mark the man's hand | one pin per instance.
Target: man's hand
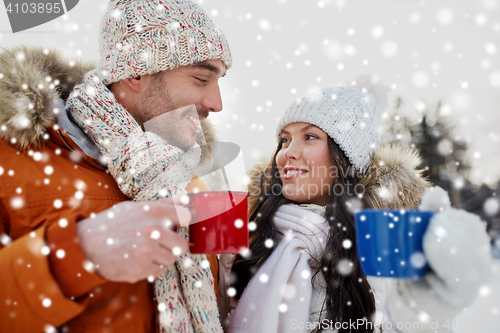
(133, 240)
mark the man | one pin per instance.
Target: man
(75, 252)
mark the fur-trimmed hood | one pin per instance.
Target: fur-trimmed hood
(392, 181)
(32, 79)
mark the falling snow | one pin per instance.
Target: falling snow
(435, 52)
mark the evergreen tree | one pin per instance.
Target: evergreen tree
(444, 159)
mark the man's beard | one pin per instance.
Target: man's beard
(154, 104)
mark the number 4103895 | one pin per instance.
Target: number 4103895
(471, 324)
(33, 8)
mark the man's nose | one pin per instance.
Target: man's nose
(213, 100)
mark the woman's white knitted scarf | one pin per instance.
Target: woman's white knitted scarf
(146, 167)
(281, 290)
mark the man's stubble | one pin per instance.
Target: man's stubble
(156, 101)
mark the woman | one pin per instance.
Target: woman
(302, 270)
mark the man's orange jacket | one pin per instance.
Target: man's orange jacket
(45, 190)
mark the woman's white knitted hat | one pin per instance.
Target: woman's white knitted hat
(148, 36)
(350, 115)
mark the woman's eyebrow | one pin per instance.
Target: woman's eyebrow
(305, 128)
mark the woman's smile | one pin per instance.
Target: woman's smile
(292, 172)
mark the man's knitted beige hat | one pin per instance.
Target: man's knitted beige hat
(148, 36)
(350, 115)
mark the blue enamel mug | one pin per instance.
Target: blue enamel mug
(389, 242)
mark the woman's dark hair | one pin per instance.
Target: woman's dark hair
(348, 297)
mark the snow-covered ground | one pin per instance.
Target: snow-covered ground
(484, 314)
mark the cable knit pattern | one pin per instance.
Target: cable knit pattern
(350, 115)
(146, 167)
(147, 37)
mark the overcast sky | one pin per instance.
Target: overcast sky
(426, 51)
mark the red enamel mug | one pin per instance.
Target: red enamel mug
(219, 222)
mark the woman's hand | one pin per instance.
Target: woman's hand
(457, 249)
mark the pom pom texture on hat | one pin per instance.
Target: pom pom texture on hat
(145, 37)
(350, 115)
